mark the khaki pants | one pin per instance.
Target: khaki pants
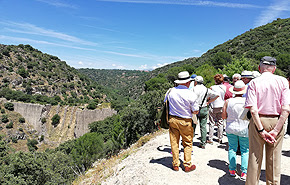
(181, 127)
(215, 118)
(273, 154)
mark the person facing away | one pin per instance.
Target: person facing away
(287, 132)
(269, 106)
(182, 105)
(237, 129)
(215, 111)
(204, 97)
(226, 83)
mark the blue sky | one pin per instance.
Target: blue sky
(131, 34)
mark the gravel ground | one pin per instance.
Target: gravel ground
(151, 164)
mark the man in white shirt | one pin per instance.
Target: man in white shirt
(204, 97)
(182, 105)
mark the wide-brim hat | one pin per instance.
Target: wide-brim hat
(238, 88)
(247, 74)
(183, 77)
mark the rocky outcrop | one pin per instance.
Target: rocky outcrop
(73, 123)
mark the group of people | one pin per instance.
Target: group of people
(253, 110)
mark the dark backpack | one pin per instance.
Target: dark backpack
(165, 115)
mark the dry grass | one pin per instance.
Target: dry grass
(103, 168)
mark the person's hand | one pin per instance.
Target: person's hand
(195, 112)
(267, 137)
(274, 133)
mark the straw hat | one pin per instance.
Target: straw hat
(239, 88)
(183, 77)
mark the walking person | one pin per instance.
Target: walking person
(287, 133)
(268, 101)
(237, 129)
(182, 105)
(204, 97)
(215, 111)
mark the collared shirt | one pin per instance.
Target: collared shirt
(268, 93)
(200, 91)
(228, 94)
(182, 102)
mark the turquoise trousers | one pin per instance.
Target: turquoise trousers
(233, 146)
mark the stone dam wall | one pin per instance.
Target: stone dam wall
(74, 121)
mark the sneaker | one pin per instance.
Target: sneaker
(286, 136)
(243, 176)
(232, 173)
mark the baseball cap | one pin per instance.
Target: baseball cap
(268, 60)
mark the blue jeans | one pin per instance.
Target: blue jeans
(233, 146)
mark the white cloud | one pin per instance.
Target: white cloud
(31, 29)
(57, 3)
(80, 63)
(272, 12)
(159, 65)
(190, 3)
(143, 67)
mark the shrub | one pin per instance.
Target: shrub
(10, 125)
(21, 120)
(31, 144)
(14, 139)
(4, 118)
(55, 120)
(41, 138)
(43, 120)
(92, 106)
(9, 106)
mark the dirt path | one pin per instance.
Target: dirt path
(152, 165)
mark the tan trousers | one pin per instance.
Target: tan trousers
(273, 154)
(181, 127)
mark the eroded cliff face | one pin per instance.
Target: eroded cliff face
(73, 123)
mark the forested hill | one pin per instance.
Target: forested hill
(271, 39)
(28, 75)
(128, 83)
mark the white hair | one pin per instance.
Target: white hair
(236, 75)
(264, 67)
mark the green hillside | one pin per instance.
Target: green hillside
(127, 83)
(28, 75)
(272, 39)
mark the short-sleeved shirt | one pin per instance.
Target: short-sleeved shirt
(200, 91)
(268, 93)
(182, 102)
(220, 90)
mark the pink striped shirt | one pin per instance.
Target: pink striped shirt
(268, 93)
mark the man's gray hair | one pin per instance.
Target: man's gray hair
(237, 75)
(264, 67)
